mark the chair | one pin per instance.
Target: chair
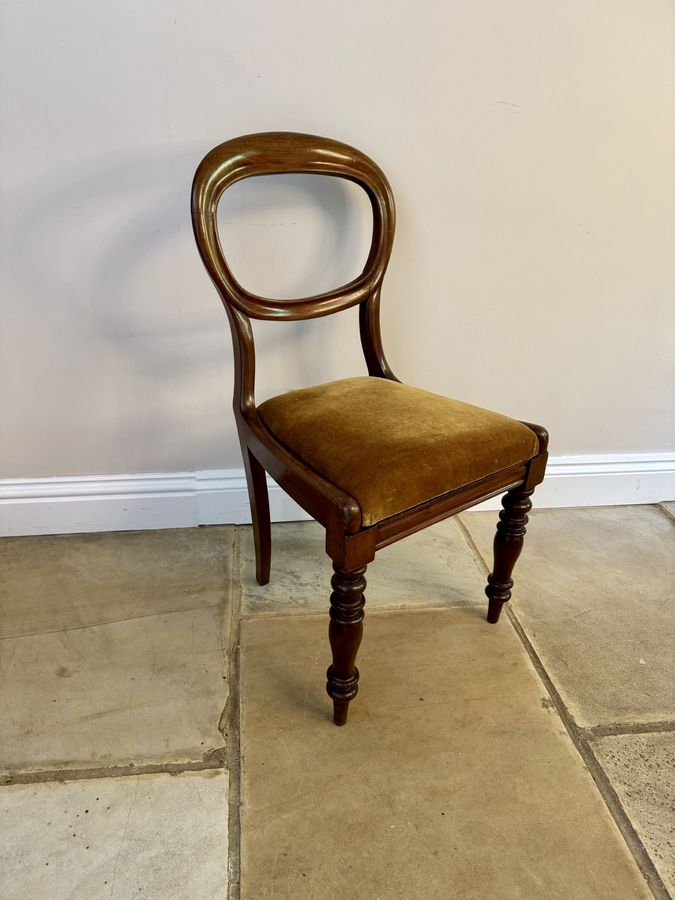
(373, 460)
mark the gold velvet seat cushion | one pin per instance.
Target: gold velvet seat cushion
(391, 446)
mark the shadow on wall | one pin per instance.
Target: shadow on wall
(124, 318)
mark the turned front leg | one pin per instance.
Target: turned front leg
(507, 546)
(344, 633)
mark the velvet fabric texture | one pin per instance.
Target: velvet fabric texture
(391, 446)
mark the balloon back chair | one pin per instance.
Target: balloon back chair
(373, 460)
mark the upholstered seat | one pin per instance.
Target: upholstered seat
(391, 446)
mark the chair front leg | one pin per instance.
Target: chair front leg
(344, 633)
(507, 546)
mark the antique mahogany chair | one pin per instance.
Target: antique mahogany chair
(373, 460)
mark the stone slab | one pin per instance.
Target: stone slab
(151, 837)
(641, 769)
(594, 593)
(58, 582)
(435, 567)
(453, 777)
(146, 690)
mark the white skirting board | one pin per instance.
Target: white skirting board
(83, 503)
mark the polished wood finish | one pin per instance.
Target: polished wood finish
(350, 545)
(260, 515)
(344, 633)
(507, 546)
(439, 508)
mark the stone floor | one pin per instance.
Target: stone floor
(164, 730)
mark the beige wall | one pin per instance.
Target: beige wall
(530, 146)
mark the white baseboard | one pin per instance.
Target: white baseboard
(176, 500)
(609, 479)
(132, 502)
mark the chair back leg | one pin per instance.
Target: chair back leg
(260, 514)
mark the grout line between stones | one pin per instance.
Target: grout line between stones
(212, 759)
(230, 725)
(580, 739)
(617, 728)
(666, 512)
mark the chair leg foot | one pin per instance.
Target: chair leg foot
(507, 546)
(260, 515)
(340, 711)
(344, 633)
(494, 610)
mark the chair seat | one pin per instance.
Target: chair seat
(391, 446)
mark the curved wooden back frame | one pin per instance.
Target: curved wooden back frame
(286, 152)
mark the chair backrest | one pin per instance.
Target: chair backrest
(280, 152)
(272, 153)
